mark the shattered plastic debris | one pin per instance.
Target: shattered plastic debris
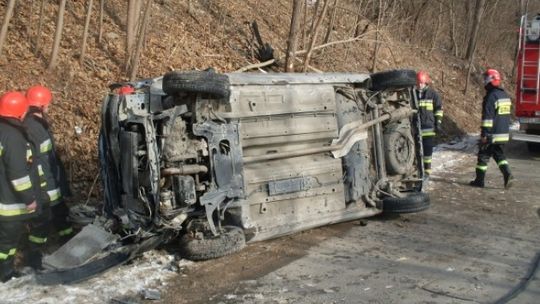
(402, 259)
(151, 294)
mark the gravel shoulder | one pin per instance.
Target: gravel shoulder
(472, 246)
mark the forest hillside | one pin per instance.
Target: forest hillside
(42, 42)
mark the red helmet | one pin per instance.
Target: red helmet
(422, 77)
(492, 76)
(38, 96)
(13, 104)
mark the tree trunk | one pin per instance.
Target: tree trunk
(140, 41)
(417, 17)
(30, 21)
(469, 73)
(453, 27)
(376, 49)
(85, 32)
(57, 34)
(358, 18)
(5, 24)
(475, 27)
(436, 32)
(130, 30)
(101, 11)
(304, 34)
(314, 35)
(331, 22)
(40, 27)
(293, 34)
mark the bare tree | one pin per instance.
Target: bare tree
(293, 34)
(314, 33)
(5, 24)
(40, 26)
(331, 22)
(475, 27)
(140, 41)
(358, 18)
(131, 29)
(453, 27)
(30, 26)
(85, 32)
(57, 34)
(376, 49)
(101, 11)
(437, 27)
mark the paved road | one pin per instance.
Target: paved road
(472, 246)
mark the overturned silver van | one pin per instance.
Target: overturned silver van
(212, 161)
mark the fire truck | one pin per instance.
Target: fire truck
(527, 106)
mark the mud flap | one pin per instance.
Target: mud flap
(81, 248)
(84, 272)
(102, 262)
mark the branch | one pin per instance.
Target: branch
(334, 43)
(314, 69)
(255, 65)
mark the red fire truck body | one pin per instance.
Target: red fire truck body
(527, 104)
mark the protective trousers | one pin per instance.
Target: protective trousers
(37, 238)
(427, 143)
(484, 154)
(11, 233)
(60, 224)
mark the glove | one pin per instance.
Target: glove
(438, 128)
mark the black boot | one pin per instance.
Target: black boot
(507, 175)
(6, 270)
(33, 258)
(479, 180)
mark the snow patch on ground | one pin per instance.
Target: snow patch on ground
(150, 271)
(448, 155)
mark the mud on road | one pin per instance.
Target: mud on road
(472, 246)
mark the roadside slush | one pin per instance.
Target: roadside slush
(473, 245)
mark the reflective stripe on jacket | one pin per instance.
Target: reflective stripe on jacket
(496, 109)
(41, 138)
(430, 110)
(19, 174)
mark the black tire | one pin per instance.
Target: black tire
(399, 150)
(413, 202)
(207, 82)
(231, 240)
(533, 147)
(394, 79)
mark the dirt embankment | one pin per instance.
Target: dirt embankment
(209, 34)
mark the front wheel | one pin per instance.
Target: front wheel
(410, 203)
(204, 247)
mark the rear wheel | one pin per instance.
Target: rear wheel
(208, 82)
(205, 247)
(399, 150)
(533, 147)
(395, 79)
(412, 202)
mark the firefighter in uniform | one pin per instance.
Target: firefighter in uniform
(39, 98)
(430, 113)
(20, 180)
(494, 129)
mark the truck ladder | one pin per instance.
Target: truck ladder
(530, 67)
